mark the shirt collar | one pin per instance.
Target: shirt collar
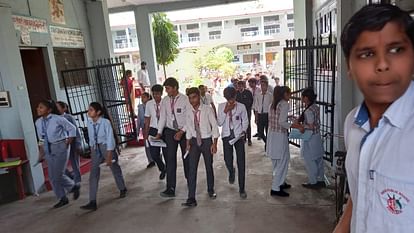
(97, 122)
(396, 114)
(200, 108)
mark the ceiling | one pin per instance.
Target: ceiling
(122, 3)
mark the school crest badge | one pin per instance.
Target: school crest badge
(394, 201)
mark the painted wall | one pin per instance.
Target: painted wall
(16, 122)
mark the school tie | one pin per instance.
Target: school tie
(197, 127)
(158, 112)
(46, 139)
(175, 123)
(262, 103)
(95, 134)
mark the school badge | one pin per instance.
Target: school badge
(394, 200)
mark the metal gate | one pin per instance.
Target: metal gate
(105, 83)
(312, 63)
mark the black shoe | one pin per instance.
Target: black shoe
(243, 194)
(280, 193)
(249, 143)
(90, 206)
(232, 176)
(62, 202)
(168, 193)
(191, 202)
(256, 135)
(122, 193)
(150, 165)
(285, 186)
(321, 184)
(162, 175)
(310, 186)
(76, 191)
(259, 138)
(212, 195)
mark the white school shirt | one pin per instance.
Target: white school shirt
(143, 77)
(55, 127)
(380, 168)
(151, 111)
(240, 120)
(207, 99)
(262, 102)
(181, 106)
(207, 121)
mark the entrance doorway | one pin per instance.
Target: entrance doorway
(36, 77)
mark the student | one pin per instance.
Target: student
(152, 116)
(232, 117)
(103, 143)
(245, 97)
(56, 134)
(254, 89)
(206, 98)
(75, 147)
(202, 134)
(141, 125)
(378, 46)
(278, 149)
(312, 149)
(261, 104)
(171, 126)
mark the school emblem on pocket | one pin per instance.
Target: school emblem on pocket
(394, 200)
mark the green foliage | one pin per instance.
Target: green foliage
(215, 60)
(165, 39)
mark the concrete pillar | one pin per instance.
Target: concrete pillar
(303, 19)
(98, 18)
(16, 122)
(145, 41)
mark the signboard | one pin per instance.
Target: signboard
(23, 23)
(66, 37)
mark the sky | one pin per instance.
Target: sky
(127, 18)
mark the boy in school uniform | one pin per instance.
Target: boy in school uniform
(206, 98)
(202, 134)
(378, 45)
(245, 97)
(152, 116)
(141, 125)
(171, 126)
(232, 117)
(261, 105)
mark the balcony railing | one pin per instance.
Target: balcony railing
(193, 39)
(214, 37)
(250, 33)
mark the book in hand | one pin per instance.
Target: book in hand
(296, 134)
(156, 142)
(234, 140)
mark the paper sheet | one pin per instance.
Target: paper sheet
(234, 140)
(186, 154)
(104, 163)
(3, 171)
(296, 134)
(156, 142)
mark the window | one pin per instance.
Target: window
(175, 28)
(251, 58)
(244, 46)
(289, 16)
(272, 18)
(121, 39)
(272, 44)
(242, 21)
(124, 58)
(214, 35)
(71, 59)
(291, 27)
(214, 24)
(133, 39)
(193, 37)
(250, 31)
(192, 26)
(271, 29)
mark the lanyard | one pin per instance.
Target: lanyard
(203, 99)
(230, 113)
(157, 110)
(95, 132)
(45, 123)
(173, 101)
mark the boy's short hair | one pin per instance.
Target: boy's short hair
(171, 82)
(252, 80)
(146, 94)
(193, 90)
(263, 78)
(241, 82)
(128, 72)
(229, 93)
(157, 88)
(143, 63)
(201, 86)
(373, 17)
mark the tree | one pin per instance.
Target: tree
(215, 60)
(165, 40)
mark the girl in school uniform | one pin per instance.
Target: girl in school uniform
(312, 149)
(63, 109)
(103, 144)
(56, 134)
(277, 140)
